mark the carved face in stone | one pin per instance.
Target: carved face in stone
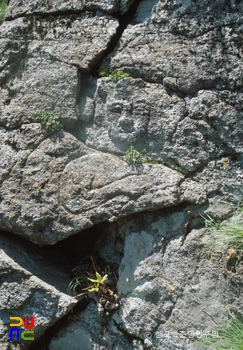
(137, 113)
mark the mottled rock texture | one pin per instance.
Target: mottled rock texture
(172, 290)
(20, 8)
(181, 106)
(31, 285)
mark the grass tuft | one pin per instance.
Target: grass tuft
(3, 6)
(230, 338)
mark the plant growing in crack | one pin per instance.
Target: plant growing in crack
(117, 75)
(210, 222)
(177, 168)
(93, 287)
(227, 237)
(133, 156)
(97, 283)
(99, 286)
(49, 120)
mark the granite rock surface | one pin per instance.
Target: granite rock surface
(179, 104)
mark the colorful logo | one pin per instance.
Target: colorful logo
(16, 334)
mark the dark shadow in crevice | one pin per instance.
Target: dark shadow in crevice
(124, 20)
(51, 263)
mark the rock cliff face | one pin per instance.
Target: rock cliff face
(181, 101)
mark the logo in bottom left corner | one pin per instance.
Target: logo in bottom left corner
(26, 332)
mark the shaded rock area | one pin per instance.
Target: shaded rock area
(31, 285)
(171, 292)
(69, 196)
(79, 335)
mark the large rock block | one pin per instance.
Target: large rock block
(17, 8)
(61, 186)
(29, 288)
(186, 132)
(170, 287)
(40, 58)
(185, 45)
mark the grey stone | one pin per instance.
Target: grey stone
(103, 334)
(168, 289)
(171, 293)
(22, 293)
(184, 40)
(193, 192)
(184, 133)
(18, 8)
(79, 42)
(65, 187)
(182, 102)
(221, 182)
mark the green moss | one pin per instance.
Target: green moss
(118, 75)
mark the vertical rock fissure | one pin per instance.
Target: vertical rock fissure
(124, 20)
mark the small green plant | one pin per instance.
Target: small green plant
(236, 207)
(151, 161)
(77, 281)
(132, 156)
(231, 234)
(103, 73)
(93, 287)
(103, 284)
(177, 168)
(229, 338)
(49, 120)
(220, 235)
(210, 222)
(118, 75)
(3, 6)
(96, 283)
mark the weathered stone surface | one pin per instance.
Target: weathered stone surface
(182, 102)
(39, 72)
(195, 46)
(18, 8)
(170, 289)
(222, 179)
(62, 186)
(193, 192)
(40, 60)
(182, 132)
(22, 293)
(109, 188)
(77, 335)
(79, 41)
